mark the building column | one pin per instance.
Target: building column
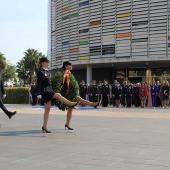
(148, 76)
(89, 74)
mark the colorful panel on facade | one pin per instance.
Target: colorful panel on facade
(83, 57)
(65, 9)
(86, 30)
(73, 15)
(65, 43)
(73, 50)
(95, 22)
(83, 42)
(123, 35)
(83, 3)
(123, 15)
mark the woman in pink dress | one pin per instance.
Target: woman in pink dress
(149, 96)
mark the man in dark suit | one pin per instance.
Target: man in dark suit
(128, 93)
(105, 92)
(83, 90)
(8, 113)
(95, 92)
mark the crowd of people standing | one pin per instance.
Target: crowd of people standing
(142, 94)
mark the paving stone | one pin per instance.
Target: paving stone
(102, 139)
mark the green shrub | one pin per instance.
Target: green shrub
(16, 95)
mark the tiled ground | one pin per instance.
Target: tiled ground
(102, 139)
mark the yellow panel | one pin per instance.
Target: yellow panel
(123, 15)
(83, 57)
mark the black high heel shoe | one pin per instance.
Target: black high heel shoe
(47, 131)
(96, 105)
(74, 105)
(69, 128)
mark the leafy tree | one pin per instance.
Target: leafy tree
(2, 63)
(9, 72)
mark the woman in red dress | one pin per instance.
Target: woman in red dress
(143, 94)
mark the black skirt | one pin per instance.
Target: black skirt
(165, 97)
(48, 94)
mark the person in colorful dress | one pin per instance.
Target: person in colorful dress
(143, 94)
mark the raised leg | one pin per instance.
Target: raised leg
(63, 99)
(86, 102)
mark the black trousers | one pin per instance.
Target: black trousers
(129, 101)
(105, 100)
(4, 108)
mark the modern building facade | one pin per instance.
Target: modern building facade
(111, 39)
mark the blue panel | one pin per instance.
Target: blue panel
(84, 3)
(65, 43)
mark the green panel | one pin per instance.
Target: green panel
(83, 42)
(73, 15)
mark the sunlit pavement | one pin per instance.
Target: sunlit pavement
(102, 139)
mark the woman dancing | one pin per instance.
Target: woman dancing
(67, 67)
(44, 91)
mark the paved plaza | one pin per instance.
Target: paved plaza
(102, 139)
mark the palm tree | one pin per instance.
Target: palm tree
(31, 60)
(21, 70)
(2, 63)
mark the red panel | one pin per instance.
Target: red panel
(168, 37)
(95, 22)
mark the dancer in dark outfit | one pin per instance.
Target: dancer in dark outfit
(67, 67)
(8, 113)
(45, 91)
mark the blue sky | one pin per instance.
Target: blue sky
(23, 25)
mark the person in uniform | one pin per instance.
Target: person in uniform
(166, 90)
(105, 92)
(8, 113)
(34, 94)
(45, 91)
(83, 90)
(128, 93)
(67, 67)
(136, 96)
(116, 93)
(113, 95)
(99, 90)
(90, 90)
(95, 92)
(123, 102)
